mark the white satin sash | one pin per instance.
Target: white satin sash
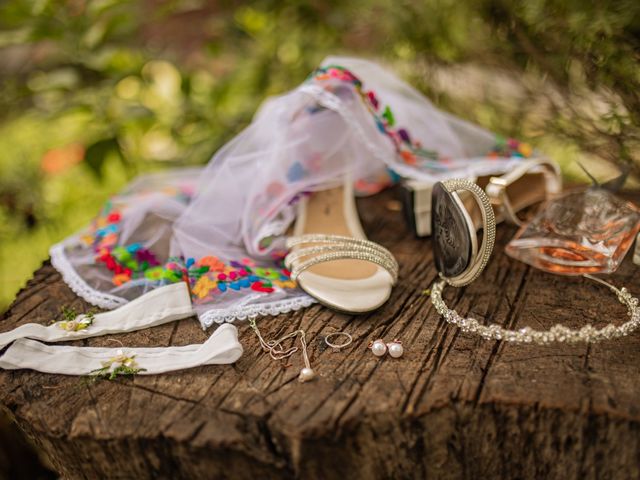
(159, 306)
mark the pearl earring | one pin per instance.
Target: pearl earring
(378, 347)
(395, 348)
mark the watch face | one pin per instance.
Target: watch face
(452, 235)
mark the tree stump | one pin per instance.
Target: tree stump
(454, 406)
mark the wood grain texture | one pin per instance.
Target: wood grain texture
(454, 406)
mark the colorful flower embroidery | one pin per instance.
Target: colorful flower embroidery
(410, 151)
(213, 263)
(296, 172)
(510, 147)
(206, 276)
(203, 286)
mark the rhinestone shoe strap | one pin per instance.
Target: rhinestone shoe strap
(334, 240)
(294, 257)
(557, 333)
(326, 248)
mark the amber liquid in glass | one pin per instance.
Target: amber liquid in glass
(586, 231)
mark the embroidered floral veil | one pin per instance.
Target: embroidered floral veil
(222, 228)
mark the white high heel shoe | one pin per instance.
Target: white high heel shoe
(331, 259)
(533, 181)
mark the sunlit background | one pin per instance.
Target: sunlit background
(94, 92)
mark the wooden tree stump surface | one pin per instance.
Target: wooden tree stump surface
(454, 406)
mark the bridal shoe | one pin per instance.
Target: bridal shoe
(331, 259)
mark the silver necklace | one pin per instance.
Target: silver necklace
(277, 351)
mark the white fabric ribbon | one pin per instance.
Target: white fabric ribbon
(222, 347)
(159, 306)
(162, 305)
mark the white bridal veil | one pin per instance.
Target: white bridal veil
(221, 228)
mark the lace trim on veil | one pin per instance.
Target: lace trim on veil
(77, 284)
(249, 311)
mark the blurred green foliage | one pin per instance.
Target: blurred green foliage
(141, 85)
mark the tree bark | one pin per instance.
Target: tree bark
(454, 406)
